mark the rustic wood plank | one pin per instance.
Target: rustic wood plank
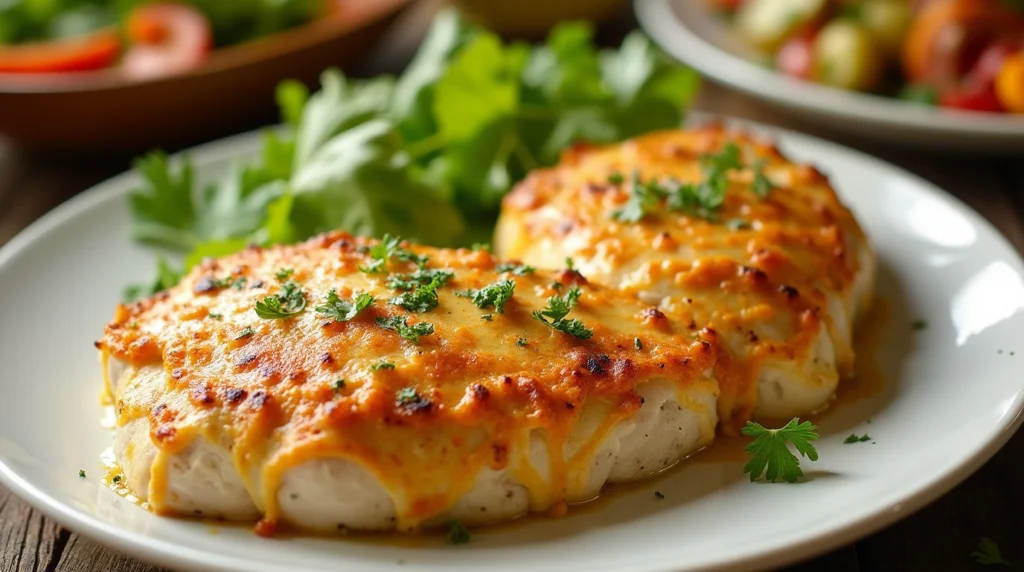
(28, 540)
(83, 555)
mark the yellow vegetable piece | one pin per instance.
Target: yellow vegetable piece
(1010, 83)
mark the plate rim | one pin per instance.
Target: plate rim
(659, 20)
(166, 553)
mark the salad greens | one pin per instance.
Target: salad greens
(428, 155)
(231, 22)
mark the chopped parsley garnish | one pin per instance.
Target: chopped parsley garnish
(382, 365)
(422, 299)
(487, 317)
(389, 247)
(641, 197)
(638, 344)
(770, 453)
(701, 199)
(399, 324)
(987, 553)
(919, 325)
(569, 263)
(521, 342)
(290, 302)
(737, 224)
(338, 384)
(457, 533)
(481, 246)
(407, 396)
(214, 316)
(81, 473)
(239, 283)
(658, 495)
(421, 277)
(514, 268)
(496, 295)
(248, 331)
(616, 178)
(116, 479)
(343, 310)
(762, 186)
(284, 273)
(557, 309)
(853, 438)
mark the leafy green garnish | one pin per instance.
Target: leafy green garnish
(290, 302)
(245, 333)
(762, 186)
(382, 364)
(418, 156)
(987, 553)
(422, 299)
(81, 473)
(284, 273)
(639, 345)
(770, 453)
(338, 385)
(853, 438)
(494, 295)
(389, 247)
(421, 277)
(557, 309)
(737, 224)
(641, 198)
(457, 533)
(515, 268)
(342, 310)
(399, 324)
(521, 342)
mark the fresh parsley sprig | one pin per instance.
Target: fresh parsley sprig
(290, 302)
(421, 277)
(515, 268)
(987, 553)
(770, 453)
(493, 295)
(422, 299)
(557, 309)
(389, 247)
(342, 310)
(401, 325)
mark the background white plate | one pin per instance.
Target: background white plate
(951, 401)
(691, 32)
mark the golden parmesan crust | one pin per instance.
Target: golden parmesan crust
(273, 395)
(772, 285)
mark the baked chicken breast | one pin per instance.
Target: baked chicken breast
(717, 230)
(350, 383)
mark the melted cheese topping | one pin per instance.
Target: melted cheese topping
(798, 263)
(268, 389)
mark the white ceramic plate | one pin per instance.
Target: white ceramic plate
(691, 32)
(953, 397)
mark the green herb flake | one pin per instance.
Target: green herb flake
(389, 247)
(487, 317)
(515, 268)
(616, 178)
(342, 310)
(494, 295)
(639, 345)
(239, 283)
(116, 479)
(422, 299)
(853, 438)
(290, 302)
(762, 186)
(214, 316)
(81, 473)
(457, 533)
(557, 309)
(284, 274)
(338, 385)
(918, 325)
(421, 277)
(481, 247)
(382, 365)
(770, 453)
(658, 495)
(987, 553)
(401, 326)
(737, 224)
(521, 342)
(248, 331)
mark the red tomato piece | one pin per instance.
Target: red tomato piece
(92, 52)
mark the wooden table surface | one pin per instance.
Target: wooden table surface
(939, 537)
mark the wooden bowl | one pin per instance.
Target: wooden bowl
(233, 90)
